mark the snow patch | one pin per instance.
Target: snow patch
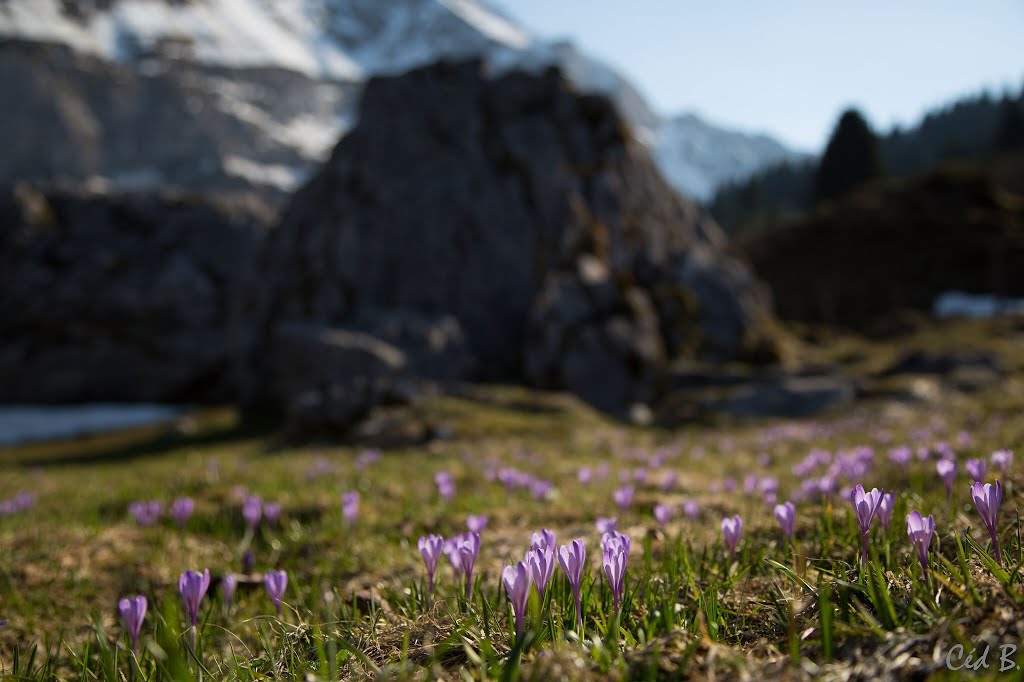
(975, 306)
(490, 24)
(285, 178)
(233, 33)
(31, 423)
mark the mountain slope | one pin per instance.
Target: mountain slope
(694, 154)
(289, 72)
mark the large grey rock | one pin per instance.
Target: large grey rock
(575, 329)
(308, 356)
(527, 213)
(120, 297)
(756, 395)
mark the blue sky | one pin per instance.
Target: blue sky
(788, 67)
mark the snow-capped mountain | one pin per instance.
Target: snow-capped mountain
(285, 73)
(700, 157)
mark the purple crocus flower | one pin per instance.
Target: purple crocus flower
(785, 514)
(350, 506)
(133, 611)
(182, 509)
(252, 511)
(987, 499)
(248, 561)
(541, 561)
(946, 469)
(616, 554)
(469, 550)
(662, 513)
(1002, 459)
(606, 525)
(885, 509)
(272, 512)
(228, 584)
(275, 582)
(544, 539)
(865, 506)
(540, 488)
(193, 586)
(320, 467)
(366, 458)
(691, 509)
(445, 485)
(476, 523)
(431, 547)
(668, 481)
(920, 531)
(517, 585)
(976, 469)
(451, 550)
(617, 539)
(571, 558)
(623, 497)
(146, 513)
(585, 475)
(901, 456)
(732, 531)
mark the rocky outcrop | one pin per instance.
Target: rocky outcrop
(894, 247)
(120, 297)
(526, 213)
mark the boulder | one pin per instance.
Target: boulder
(757, 395)
(120, 297)
(528, 215)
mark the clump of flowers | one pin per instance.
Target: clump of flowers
(16, 504)
(146, 513)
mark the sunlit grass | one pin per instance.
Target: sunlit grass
(357, 605)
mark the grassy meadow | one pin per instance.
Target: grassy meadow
(357, 606)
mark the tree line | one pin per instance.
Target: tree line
(973, 129)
